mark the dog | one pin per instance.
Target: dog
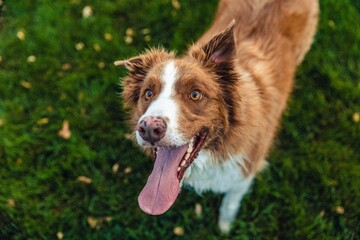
(210, 116)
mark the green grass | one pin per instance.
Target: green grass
(315, 162)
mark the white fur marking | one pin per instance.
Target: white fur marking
(165, 106)
(206, 175)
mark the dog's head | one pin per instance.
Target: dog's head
(179, 106)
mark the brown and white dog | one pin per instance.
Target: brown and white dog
(210, 115)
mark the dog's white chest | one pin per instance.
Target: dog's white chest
(204, 175)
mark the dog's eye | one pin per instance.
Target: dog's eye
(148, 94)
(196, 95)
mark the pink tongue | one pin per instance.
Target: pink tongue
(163, 186)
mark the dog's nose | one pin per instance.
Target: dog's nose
(152, 129)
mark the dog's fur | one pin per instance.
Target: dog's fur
(244, 74)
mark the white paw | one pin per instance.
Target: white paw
(225, 226)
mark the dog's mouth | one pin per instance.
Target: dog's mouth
(163, 184)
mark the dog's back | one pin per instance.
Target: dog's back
(271, 38)
(262, 21)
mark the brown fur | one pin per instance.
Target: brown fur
(245, 74)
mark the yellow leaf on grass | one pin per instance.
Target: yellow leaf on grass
(42, 121)
(21, 35)
(65, 132)
(115, 168)
(93, 222)
(108, 37)
(127, 170)
(87, 12)
(356, 117)
(31, 59)
(175, 4)
(66, 66)
(25, 84)
(84, 179)
(60, 235)
(339, 210)
(11, 202)
(198, 210)
(179, 231)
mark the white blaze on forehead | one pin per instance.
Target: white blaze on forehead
(169, 78)
(166, 107)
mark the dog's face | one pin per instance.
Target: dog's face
(179, 107)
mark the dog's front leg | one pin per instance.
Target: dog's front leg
(231, 203)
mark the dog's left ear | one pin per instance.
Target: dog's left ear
(220, 49)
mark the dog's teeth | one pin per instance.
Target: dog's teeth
(179, 168)
(190, 148)
(183, 163)
(187, 155)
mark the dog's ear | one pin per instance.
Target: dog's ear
(220, 49)
(129, 64)
(139, 67)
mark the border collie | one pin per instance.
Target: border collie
(210, 116)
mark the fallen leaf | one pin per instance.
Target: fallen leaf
(175, 4)
(65, 132)
(49, 109)
(97, 47)
(128, 40)
(198, 210)
(332, 182)
(356, 117)
(115, 168)
(60, 235)
(127, 170)
(25, 84)
(101, 65)
(87, 12)
(179, 231)
(66, 66)
(93, 222)
(147, 38)
(340, 210)
(130, 32)
(108, 37)
(42, 121)
(145, 31)
(79, 46)
(331, 23)
(31, 59)
(84, 179)
(21, 35)
(11, 202)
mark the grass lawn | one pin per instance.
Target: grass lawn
(68, 172)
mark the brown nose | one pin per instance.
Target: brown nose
(152, 129)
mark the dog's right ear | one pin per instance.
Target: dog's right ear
(139, 67)
(130, 64)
